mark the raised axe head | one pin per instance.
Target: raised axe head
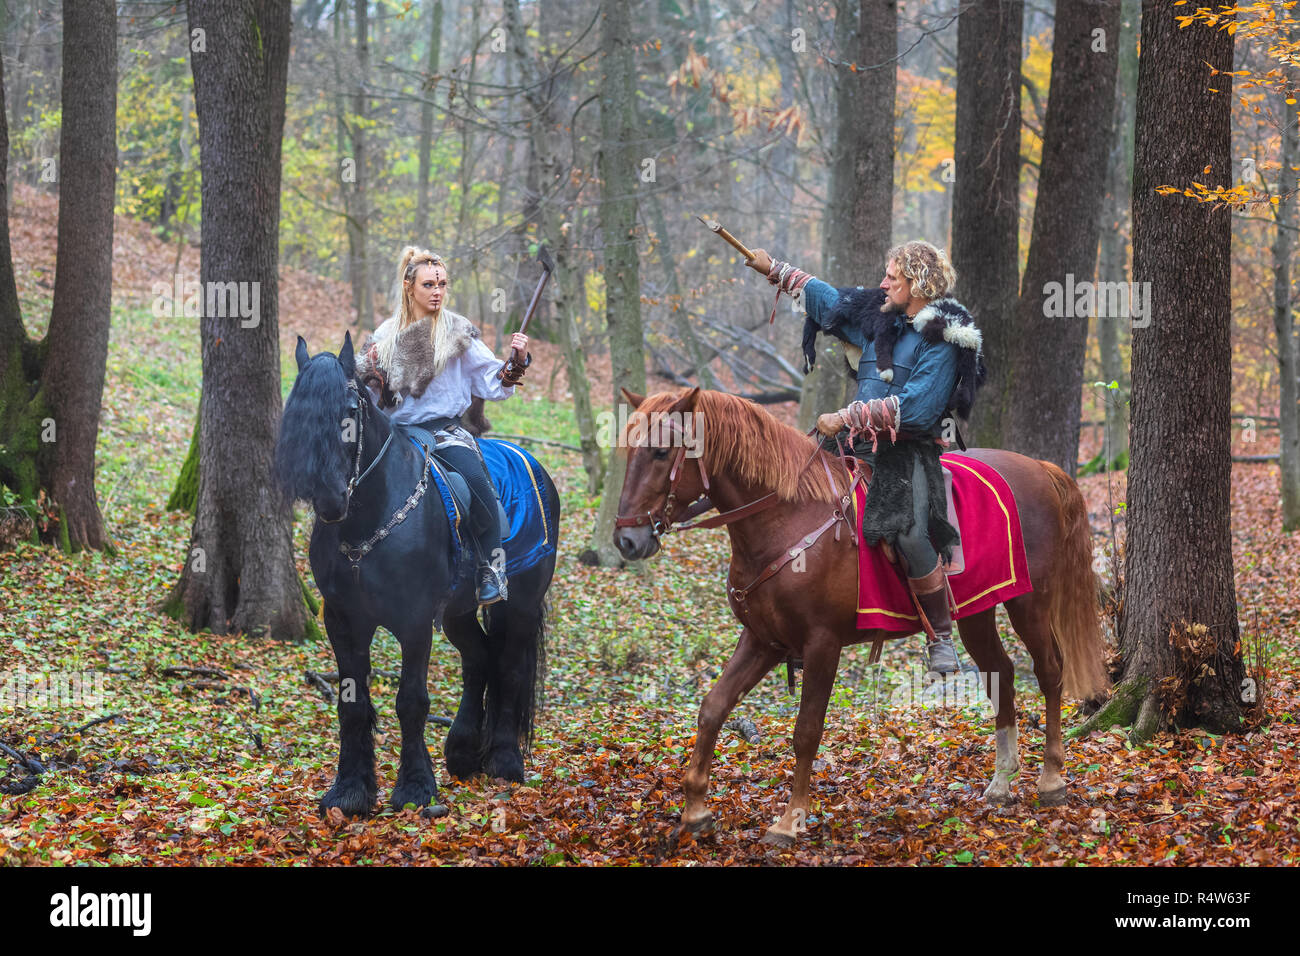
(544, 257)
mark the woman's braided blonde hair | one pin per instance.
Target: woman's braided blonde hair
(927, 266)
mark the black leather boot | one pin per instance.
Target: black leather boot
(491, 573)
(491, 585)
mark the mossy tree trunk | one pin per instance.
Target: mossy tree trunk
(50, 392)
(239, 572)
(1178, 563)
(619, 164)
(185, 495)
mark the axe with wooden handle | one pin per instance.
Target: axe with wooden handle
(516, 364)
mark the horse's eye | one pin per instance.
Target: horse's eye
(661, 453)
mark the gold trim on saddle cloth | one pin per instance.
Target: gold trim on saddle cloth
(541, 509)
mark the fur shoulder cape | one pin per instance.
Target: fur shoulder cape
(943, 320)
(416, 359)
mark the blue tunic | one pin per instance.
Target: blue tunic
(925, 373)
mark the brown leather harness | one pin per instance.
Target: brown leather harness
(661, 520)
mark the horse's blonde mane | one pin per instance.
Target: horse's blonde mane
(742, 439)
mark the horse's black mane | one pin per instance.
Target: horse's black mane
(310, 446)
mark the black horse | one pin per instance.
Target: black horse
(338, 451)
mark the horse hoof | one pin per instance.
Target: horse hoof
(419, 793)
(506, 765)
(462, 753)
(1054, 798)
(464, 767)
(999, 798)
(773, 838)
(701, 827)
(354, 800)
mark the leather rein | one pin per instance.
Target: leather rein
(661, 520)
(355, 554)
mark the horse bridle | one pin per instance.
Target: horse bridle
(661, 520)
(354, 406)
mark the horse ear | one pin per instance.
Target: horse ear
(300, 353)
(687, 400)
(346, 358)
(633, 398)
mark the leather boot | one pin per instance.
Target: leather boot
(491, 585)
(932, 594)
(491, 580)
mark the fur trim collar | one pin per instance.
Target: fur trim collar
(947, 320)
(416, 357)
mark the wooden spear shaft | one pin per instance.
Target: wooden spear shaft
(731, 240)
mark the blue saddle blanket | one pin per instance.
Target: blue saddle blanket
(518, 480)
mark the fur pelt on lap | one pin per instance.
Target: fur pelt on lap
(416, 359)
(888, 510)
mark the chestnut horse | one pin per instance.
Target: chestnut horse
(744, 455)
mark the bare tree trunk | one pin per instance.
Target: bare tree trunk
(860, 201)
(426, 125)
(618, 210)
(1043, 421)
(359, 216)
(467, 259)
(681, 315)
(1283, 321)
(1116, 229)
(1178, 567)
(239, 573)
(986, 197)
(50, 393)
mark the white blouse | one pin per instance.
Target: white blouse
(472, 373)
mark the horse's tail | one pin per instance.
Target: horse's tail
(1074, 610)
(528, 632)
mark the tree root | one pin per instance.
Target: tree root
(1119, 711)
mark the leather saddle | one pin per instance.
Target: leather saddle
(456, 482)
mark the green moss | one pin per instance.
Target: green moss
(185, 495)
(313, 605)
(1119, 711)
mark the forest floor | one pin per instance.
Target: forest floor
(226, 765)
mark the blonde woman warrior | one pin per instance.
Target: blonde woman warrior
(423, 367)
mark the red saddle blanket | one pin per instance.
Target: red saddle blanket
(996, 568)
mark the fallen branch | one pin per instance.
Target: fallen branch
(322, 685)
(536, 441)
(745, 728)
(72, 733)
(252, 697)
(195, 671)
(205, 685)
(443, 721)
(30, 764)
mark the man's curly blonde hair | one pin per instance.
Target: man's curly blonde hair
(927, 266)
